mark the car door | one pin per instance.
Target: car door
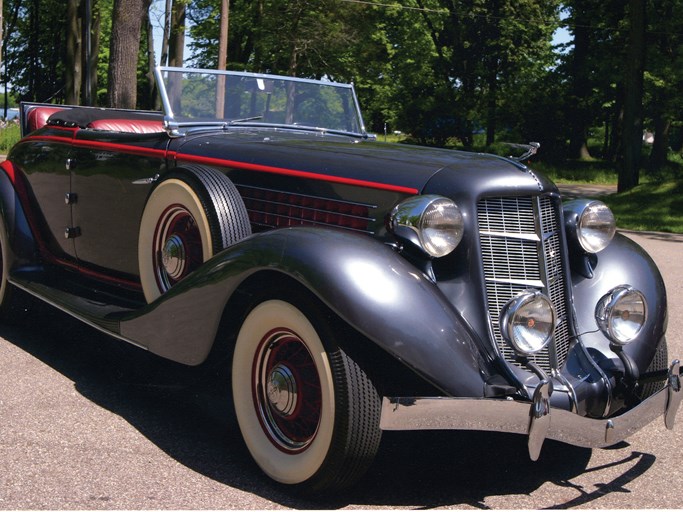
(44, 161)
(111, 177)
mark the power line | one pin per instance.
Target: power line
(396, 6)
(561, 23)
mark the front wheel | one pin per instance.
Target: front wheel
(308, 413)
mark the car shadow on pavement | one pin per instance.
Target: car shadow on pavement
(187, 413)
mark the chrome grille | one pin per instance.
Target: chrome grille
(520, 245)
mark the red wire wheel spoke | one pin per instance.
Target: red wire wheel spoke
(177, 246)
(287, 391)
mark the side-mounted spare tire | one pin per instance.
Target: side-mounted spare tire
(192, 214)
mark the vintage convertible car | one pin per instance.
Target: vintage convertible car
(359, 286)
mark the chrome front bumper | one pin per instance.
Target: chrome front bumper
(536, 419)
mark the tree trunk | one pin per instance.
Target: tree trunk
(164, 40)
(151, 63)
(9, 27)
(33, 60)
(660, 146)
(629, 163)
(127, 18)
(74, 50)
(90, 84)
(579, 117)
(222, 58)
(176, 43)
(491, 110)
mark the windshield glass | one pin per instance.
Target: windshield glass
(194, 97)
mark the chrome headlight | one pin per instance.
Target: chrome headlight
(432, 223)
(527, 322)
(621, 314)
(590, 223)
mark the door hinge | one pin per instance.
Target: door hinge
(72, 232)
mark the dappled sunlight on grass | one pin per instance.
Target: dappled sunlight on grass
(578, 171)
(650, 207)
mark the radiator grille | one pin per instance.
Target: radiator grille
(268, 208)
(520, 244)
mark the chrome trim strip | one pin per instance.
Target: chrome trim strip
(498, 415)
(522, 282)
(532, 237)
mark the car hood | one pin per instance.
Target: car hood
(398, 165)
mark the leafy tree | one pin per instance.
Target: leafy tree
(664, 76)
(34, 62)
(481, 49)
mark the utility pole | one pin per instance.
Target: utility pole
(88, 50)
(2, 52)
(223, 35)
(222, 58)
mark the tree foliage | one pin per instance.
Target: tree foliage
(439, 70)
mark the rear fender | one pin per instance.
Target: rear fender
(365, 282)
(21, 239)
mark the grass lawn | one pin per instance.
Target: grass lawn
(655, 205)
(650, 207)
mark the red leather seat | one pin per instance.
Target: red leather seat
(37, 117)
(127, 125)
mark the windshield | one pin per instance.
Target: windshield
(205, 97)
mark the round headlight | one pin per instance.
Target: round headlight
(527, 322)
(595, 227)
(621, 314)
(432, 223)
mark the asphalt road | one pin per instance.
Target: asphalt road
(88, 422)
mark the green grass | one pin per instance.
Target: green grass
(649, 207)
(9, 136)
(594, 172)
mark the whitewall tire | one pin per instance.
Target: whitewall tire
(307, 412)
(189, 217)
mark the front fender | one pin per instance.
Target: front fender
(365, 282)
(622, 262)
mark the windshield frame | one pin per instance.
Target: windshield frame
(173, 126)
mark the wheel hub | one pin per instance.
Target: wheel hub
(287, 390)
(173, 257)
(282, 390)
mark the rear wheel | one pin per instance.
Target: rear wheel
(5, 286)
(308, 413)
(189, 217)
(12, 304)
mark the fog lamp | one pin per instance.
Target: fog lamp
(527, 322)
(621, 314)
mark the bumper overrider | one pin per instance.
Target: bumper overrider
(537, 419)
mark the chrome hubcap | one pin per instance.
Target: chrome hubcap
(282, 393)
(173, 257)
(177, 246)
